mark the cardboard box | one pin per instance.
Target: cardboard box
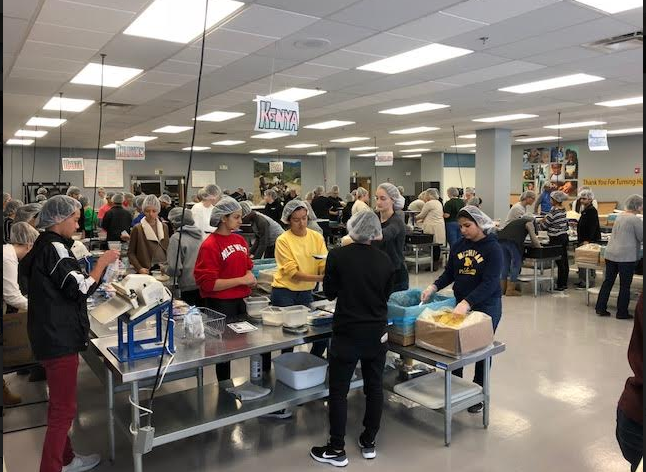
(472, 334)
(16, 349)
(588, 254)
(402, 340)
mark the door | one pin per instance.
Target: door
(365, 182)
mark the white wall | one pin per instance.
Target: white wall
(451, 177)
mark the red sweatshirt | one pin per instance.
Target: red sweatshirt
(222, 257)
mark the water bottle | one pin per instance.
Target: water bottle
(256, 369)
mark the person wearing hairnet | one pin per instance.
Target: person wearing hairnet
(273, 206)
(621, 256)
(100, 200)
(166, 206)
(512, 241)
(474, 267)
(544, 202)
(8, 216)
(58, 326)
(91, 218)
(418, 203)
(265, 231)
(577, 205)
(362, 202)
(209, 196)
(28, 213)
(520, 208)
(361, 278)
(451, 209)
(311, 219)
(40, 198)
(148, 239)
(588, 230)
(75, 193)
(105, 207)
(346, 213)
(182, 267)
(129, 203)
(116, 221)
(389, 206)
(431, 218)
(6, 198)
(139, 200)
(556, 225)
(223, 269)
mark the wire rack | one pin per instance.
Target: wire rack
(214, 322)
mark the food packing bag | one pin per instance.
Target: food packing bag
(193, 324)
(454, 335)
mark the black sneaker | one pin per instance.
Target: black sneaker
(477, 408)
(580, 286)
(625, 317)
(602, 312)
(328, 455)
(367, 451)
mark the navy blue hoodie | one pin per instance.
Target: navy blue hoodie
(474, 268)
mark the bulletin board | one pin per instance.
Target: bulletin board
(110, 173)
(201, 178)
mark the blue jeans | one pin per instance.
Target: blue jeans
(625, 270)
(630, 436)
(452, 232)
(511, 261)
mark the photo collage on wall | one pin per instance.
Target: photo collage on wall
(559, 165)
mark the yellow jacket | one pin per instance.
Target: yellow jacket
(295, 254)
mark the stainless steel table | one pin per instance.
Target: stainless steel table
(204, 408)
(449, 364)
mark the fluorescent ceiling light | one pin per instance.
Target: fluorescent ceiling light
(470, 145)
(467, 136)
(351, 139)
(295, 94)
(141, 139)
(45, 122)
(420, 57)
(414, 150)
(329, 124)
(414, 143)
(537, 139)
(417, 108)
(263, 151)
(622, 102)
(271, 135)
(113, 76)
(67, 104)
(472, 150)
(496, 119)
(364, 148)
(317, 153)
(110, 146)
(218, 116)
(412, 155)
(419, 129)
(613, 6)
(626, 131)
(196, 148)
(554, 83)
(368, 154)
(180, 21)
(580, 124)
(30, 133)
(301, 146)
(20, 142)
(228, 142)
(172, 129)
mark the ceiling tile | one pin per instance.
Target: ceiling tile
(58, 51)
(309, 7)
(493, 11)
(13, 33)
(31, 86)
(236, 41)
(262, 20)
(138, 92)
(69, 36)
(386, 44)
(343, 59)
(23, 9)
(94, 18)
(312, 71)
(166, 78)
(488, 73)
(33, 73)
(436, 27)
(633, 17)
(563, 56)
(49, 63)
(142, 53)
(182, 67)
(214, 57)
(125, 5)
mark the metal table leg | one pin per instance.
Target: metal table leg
(416, 248)
(448, 414)
(200, 377)
(486, 392)
(587, 287)
(432, 247)
(552, 276)
(137, 458)
(109, 385)
(535, 278)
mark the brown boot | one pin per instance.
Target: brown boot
(8, 398)
(503, 286)
(511, 290)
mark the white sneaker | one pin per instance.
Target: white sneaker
(82, 463)
(280, 414)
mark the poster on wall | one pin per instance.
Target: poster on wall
(110, 173)
(72, 164)
(282, 182)
(557, 164)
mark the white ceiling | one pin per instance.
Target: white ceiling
(47, 42)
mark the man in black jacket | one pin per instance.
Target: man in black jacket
(116, 220)
(361, 278)
(273, 206)
(588, 230)
(58, 324)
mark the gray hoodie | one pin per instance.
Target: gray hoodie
(191, 242)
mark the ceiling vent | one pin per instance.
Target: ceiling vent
(624, 42)
(217, 133)
(114, 106)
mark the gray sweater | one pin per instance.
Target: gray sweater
(626, 240)
(518, 210)
(191, 242)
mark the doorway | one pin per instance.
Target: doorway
(365, 182)
(159, 184)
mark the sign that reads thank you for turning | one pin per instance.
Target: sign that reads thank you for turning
(276, 115)
(130, 150)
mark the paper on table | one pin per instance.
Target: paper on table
(242, 327)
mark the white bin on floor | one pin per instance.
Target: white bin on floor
(300, 370)
(428, 390)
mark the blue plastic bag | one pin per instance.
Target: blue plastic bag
(405, 304)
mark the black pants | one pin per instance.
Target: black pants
(625, 270)
(343, 356)
(562, 264)
(269, 252)
(630, 436)
(192, 297)
(437, 253)
(235, 310)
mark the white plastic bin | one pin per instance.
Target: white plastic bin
(295, 316)
(255, 306)
(272, 316)
(300, 370)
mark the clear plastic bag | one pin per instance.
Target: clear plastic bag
(193, 325)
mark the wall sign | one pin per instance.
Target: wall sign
(130, 150)
(202, 178)
(276, 167)
(72, 163)
(277, 115)
(384, 158)
(110, 173)
(598, 140)
(615, 182)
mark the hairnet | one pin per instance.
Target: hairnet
(364, 227)
(175, 217)
(271, 193)
(634, 203)
(246, 208)
(401, 189)
(139, 200)
(151, 201)
(585, 193)
(27, 212)
(250, 196)
(470, 190)
(40, 198)
(335, 188)
(361, 192)
(56, 210)
(83, 201)
(547, 185)
(109, 195)
(349, 197)
(433, 193)
(118, 199)
(291, 207)
(42, 191)
(212, 190)
(100, 189)
(73, 190)
(309, 195)
(319, 190)
(558, 196)
(12, 206)
(527, 194)
(480, 217)
(395, 196)
(311, 216)
(452, 192)
(224, 207)
(475, 201)
(128, 196)
(5, 197)
(165, 199)
(201, 194)
(23, 233)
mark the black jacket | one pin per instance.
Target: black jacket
(588, 228)
(116, 220)
(58, 288)
(274, 210)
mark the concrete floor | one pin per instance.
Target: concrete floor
(554, 395)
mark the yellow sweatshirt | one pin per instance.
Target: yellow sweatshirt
(294, 254)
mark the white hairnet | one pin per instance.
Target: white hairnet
(527, 194)
(118, 198)
(151, 201)
(319, 190)
(452, 192)
(271, 193)
(470, 190)
(480, 217)
(634, 203)
(246, 208)
(128, 196)
(12, 207)
(224, 207)
(361, 192)
(73, 191)
(83, 201)
(395, 196)
(585, 193)
(23, 233)
(175, 217)
(165, 199)
(335, 188)
(42, 191)
(28, 211)
(56, 210)
(401, 189)
(475, 201)
(311, 216)
(41, 198)
(139, 200)
(364, 227)
(5, 197)
(433, 193)
(211, 190)
(558, 196)
(291, 207)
